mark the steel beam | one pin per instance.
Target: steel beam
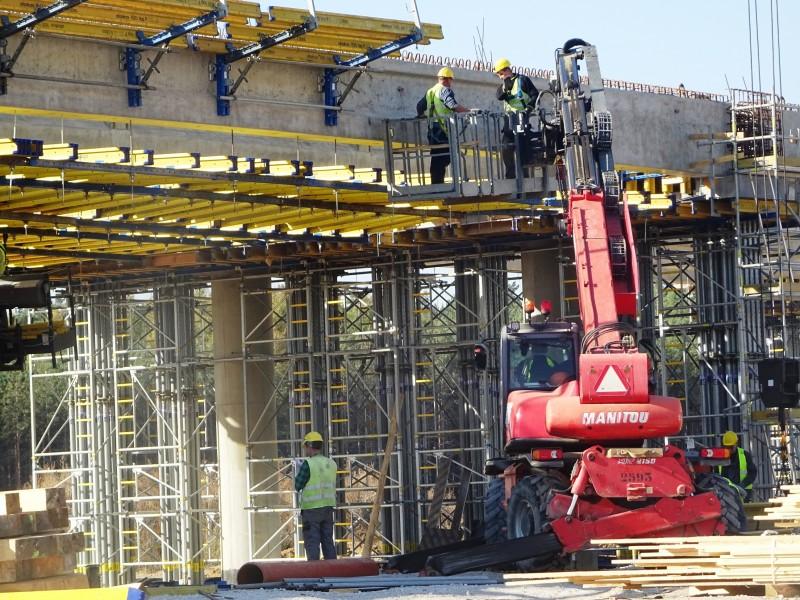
(46, 12)
(132, 57)
(28, 251)
(207, 175)
(329, 77)
(296, 203)
(250, 52)
(26, 24)
(196, 235)
(111, 237)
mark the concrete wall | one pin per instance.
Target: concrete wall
(651, 130)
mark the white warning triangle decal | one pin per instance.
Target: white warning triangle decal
(611, 382)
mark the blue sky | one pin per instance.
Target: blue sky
(661, 42)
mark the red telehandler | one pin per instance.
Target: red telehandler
(584, 452)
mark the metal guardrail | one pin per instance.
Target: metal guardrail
(474, 147)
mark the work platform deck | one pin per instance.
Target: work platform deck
(117, 209)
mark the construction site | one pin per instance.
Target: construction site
(223, 234)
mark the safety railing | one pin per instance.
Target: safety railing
(463, 155)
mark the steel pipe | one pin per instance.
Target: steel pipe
(277, 570)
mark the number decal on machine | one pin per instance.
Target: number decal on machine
(636, 477)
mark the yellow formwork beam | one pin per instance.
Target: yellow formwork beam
(129, 16)
(186, 126)
(343, 22)
(236, 8)
(120, 20)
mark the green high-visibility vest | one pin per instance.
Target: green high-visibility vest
(520, 101)
(742, 468)
(436, 109)
(321, 487)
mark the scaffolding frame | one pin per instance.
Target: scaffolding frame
(769, 280)
(345, 348)
(138, 412)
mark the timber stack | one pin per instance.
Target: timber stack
(785, 514)
(706, 563)
(36, 550)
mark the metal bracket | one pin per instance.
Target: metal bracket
(132, 59)
(222, 63)
(42, 14)
(26, 24)
(332, 98)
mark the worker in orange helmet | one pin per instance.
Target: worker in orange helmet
(742, 470)
(438, 103)
(316, 483)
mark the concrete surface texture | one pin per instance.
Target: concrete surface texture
(650, 130)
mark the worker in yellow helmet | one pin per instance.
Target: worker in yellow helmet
(518, 95)
(438, 103)
(741, 470)
(316, 483)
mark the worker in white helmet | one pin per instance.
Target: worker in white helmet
(316, 483)
(518, 95)
(438, 103)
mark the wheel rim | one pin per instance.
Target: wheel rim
(525, 521)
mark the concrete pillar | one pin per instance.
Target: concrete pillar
(231, 432)
(233, 399)
(540, 278)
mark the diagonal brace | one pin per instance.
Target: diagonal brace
(132, 56)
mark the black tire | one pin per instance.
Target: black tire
(527, 515)
(494, 515)
(733, 515)
(572, 43)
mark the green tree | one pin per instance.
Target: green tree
(15, 421)
(14, 428)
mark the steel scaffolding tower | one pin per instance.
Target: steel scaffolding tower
(769, 280)
(343, 349)
(688, 305)
(141, 466)
(339, 349)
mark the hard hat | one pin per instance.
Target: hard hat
(312, 436)
(500, 64)
(729, 438)
(445, 72)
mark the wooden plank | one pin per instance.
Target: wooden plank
(32, 523)
(69, 581)
(375, 513)
(24, 501)
(34, 568)
(23, 548)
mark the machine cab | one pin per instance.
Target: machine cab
(538, 357)
(538, 362)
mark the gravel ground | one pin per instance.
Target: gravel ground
(459, 592)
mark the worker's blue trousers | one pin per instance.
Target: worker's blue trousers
(318, 530)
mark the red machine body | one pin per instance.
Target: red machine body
(589, 398)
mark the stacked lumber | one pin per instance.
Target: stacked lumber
(701, 562)
(786, 510)
(36, 551)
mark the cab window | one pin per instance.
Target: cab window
(540, 364)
